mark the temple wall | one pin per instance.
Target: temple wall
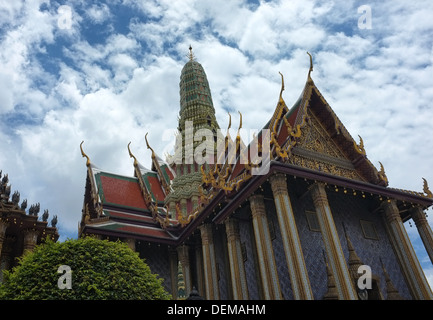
(277, 245)
(157, 258)
(347, 209)
(250, 260)
(351, 210)
(220, 243)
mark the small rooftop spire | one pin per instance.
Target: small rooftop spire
(191, 54)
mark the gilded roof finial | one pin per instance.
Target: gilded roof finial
(191, 54)
(426, 189)
(230, 122)
(131, 155)
(282, 86)
(381, 173)
(311, 64)
(84, 155)
(148, 146)
(359, 147)
(240, 124)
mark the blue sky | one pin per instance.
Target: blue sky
(113, 75)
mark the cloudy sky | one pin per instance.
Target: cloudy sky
(108, 72)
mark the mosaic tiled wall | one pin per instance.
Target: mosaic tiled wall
(221, 255)
(350, 210)
(279, 254)
(347, 209)
(157, 258)
(250, 263)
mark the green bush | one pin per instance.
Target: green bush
(100, 270)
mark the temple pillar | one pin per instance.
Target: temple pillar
(30, 239)
(183, 255)
(424, 229)
(334, 251)
(265, 252)
(209, 262)
(412, 270)
(6, 258)
(3, 226)
(237, 268)
(199, 269)
(173, 272)
(291, 242)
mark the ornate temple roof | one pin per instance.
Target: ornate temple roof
(165, 204)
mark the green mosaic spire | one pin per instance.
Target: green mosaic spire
(195, 98)
(196, 107)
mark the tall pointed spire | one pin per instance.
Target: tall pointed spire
(391, 292)
(332, 293)
(196, 112)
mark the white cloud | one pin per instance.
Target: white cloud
(98, 13)
(6, 94)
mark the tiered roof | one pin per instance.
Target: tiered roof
(307, 141)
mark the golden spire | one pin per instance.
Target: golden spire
(332, 293)
(311, 64)
(391, 292)
(84, 155)
(131, 155)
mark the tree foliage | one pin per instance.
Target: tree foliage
(100, 270)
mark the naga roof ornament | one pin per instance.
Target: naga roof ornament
(426, 189)
(84, 155)
(311, 65)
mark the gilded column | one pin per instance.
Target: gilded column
(291, 242)
(237, 268)
(183, 254)
(209, 262)
(265, 253)
(336, 259)
(408, 260)
(424, 229)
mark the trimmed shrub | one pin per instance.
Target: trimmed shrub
(100, 269)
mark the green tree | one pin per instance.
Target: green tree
(100, 269)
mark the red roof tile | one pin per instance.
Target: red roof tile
(121, 191)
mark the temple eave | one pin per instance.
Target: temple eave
(312, 175)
